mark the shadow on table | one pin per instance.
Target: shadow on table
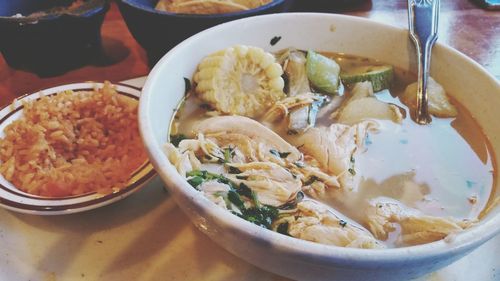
(176, 250)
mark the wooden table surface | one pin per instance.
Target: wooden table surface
(463, 25)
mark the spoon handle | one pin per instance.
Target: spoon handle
(423, 17)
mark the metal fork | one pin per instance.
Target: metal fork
(423, 17)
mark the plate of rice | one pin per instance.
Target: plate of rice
(71, 148)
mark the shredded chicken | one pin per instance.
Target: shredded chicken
(273, 184)
(383, 216)
(284, 106)
(301, 107)
(215, 192)
(264, 139)
(315, 223)
(334, 148)
(183, 161)
(243, 147)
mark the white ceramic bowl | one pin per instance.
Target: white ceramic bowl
(470, 84)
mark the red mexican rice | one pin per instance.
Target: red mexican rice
(72, 143)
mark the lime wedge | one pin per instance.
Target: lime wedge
(380, 75)
(323, 73)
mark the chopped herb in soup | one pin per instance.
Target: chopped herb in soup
(322, 147)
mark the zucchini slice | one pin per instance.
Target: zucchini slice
(381, 76)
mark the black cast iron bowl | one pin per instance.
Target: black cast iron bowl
(159, 31)
(51, 41)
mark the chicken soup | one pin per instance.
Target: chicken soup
(322, 147)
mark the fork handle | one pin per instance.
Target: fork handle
(423, 16)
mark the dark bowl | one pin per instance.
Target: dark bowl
(325, 6)
(159, 31)
(46, 36)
